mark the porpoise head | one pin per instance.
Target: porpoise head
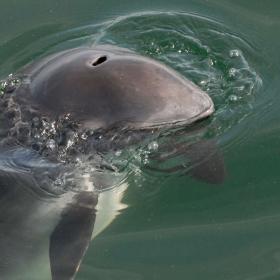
(106, 86)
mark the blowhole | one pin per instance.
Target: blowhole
(99, 60)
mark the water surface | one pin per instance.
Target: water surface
(174, 226)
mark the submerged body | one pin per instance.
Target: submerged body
(103, 88)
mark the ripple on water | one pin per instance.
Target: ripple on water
(201, 49)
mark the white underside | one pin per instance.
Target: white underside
(109, 207)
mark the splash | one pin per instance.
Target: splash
(201, 49)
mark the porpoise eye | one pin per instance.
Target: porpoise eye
(99, 60)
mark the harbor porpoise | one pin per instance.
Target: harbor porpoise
(84, 90)
(105, 86)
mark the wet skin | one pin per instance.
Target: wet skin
(100, 88)
(106, 85)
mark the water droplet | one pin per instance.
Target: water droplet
(203, 82)
(58, 182)
(2, 87)
(153, 146)
(51, 144)
(70, 142)
(37, 136)
(233, 98)
(210, 62)
(234, 53)
(145, 161)
(232, 72)
(9, 85)
(84, 136)
(67, 116)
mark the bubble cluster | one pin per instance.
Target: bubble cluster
(9, 85)
(234, 53)
(58, 138)
(153, 146)
(85, 157)
(202, 50)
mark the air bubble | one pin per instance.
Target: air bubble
(51, 144)
(210, 62)
(84, 136)
(9, 85)
(67, 116)
(70, 143)
(234, 53)
(233, 98)
(203, 82)
(145, 160)
(2, 88)
(58, 182)
(232, 72)
(153, 146)
(37, 136)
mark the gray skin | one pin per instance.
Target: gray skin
(100, 87)
(106, 86)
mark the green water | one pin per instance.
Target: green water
(176, 227)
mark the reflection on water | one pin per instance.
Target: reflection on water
(162, 225)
